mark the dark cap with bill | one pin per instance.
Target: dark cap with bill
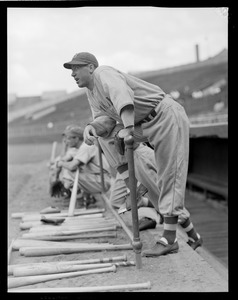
(82, 58)
(73, 129)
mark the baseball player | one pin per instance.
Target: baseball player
(145, 171)
(146, 112)
(86, 159)
(71, 140)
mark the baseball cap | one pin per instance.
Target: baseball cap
(73, 129)
(82, 58)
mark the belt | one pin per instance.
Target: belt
(148, 118)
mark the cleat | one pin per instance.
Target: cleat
(161, 248)
(195, 244)
(146, 223)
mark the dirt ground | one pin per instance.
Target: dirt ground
(28, 191)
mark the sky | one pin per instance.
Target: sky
(131, 39)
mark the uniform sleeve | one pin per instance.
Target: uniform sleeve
(115, 86)
(103, 125)
(94, 110)
(85, 153)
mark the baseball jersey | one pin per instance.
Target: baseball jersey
(114, 90)
(71, 152)
(89, 156)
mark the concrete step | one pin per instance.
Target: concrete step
(187, 270)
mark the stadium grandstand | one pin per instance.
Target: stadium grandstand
(201, 87)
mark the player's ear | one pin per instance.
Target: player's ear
(91, 68)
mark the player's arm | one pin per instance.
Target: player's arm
(120, 94)
(128, 118)
(66, 157)
(103, 125)
(70, 165)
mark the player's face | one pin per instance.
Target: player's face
(72, 140)
(81, 75)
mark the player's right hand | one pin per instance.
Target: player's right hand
(89, 135)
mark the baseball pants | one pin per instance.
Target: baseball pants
(145, 171)
(88, 182)
(168, 133)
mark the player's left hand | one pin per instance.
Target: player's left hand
(123, 133)
(90, 135)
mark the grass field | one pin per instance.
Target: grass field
(30, 153)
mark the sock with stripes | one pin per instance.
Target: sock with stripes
(189, 229)
(170, 227)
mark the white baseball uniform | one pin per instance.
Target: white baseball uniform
(167, 130)
(89, 172)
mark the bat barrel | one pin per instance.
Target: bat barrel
(122, 287)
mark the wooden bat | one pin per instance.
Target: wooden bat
(54, 269)
(50, 210)
(62, 215)
(67, 232)
(49, 229)
(137, 245)
(71, 223)
(26, 280)
(48, 268)
(95, 212)
(86, 289)
(73, 197)
(119, 219)
(9, 252)
(17, 244)
(68, 220)
(122, 258)
(19, 215)
(101, 167)
(46, 251)
(74, 236)
(53, 151)
(81, 220)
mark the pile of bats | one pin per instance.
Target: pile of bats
(48, 234)
(44, 238)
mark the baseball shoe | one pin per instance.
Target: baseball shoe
(161, 248)
(195, 244)
(146, 223)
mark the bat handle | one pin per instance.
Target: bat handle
(137, 244)
(101, 167)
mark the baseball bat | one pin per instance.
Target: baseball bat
(87, 289)
(19, 243)
(54, 269)
(123, 225)
(71, 227)
(101, 167)
(53, 151)
(73, 197)
(67, 232)
(74, 236)
(122, 258)
(49, 268)
(46, 251)
(9, 252)
(29, 224)
(87, 222)
(137, 245)
(50, 210)
(19, 215)
(27, 280)
(96, 212)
